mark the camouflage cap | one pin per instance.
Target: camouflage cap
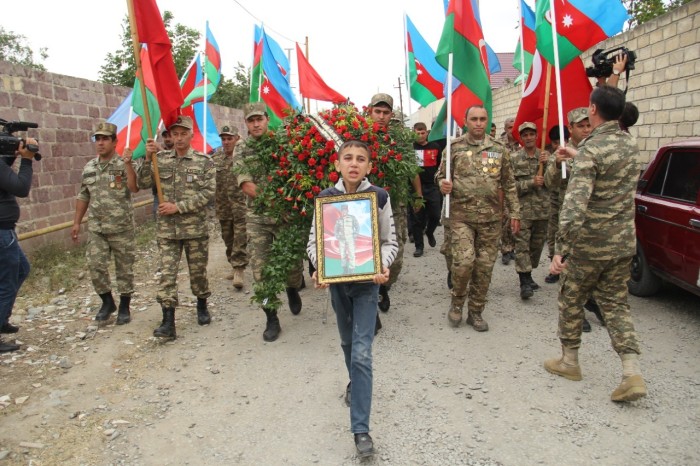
(106, 129)
(254, 109)
(183, 122)
(577, 114)
(527, 125)
(228, 130)
(382, 99)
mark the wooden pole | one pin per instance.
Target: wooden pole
(547, 85)
(139, 72)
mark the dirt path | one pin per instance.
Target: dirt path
(220, 395)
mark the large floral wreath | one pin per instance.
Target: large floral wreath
(297, 163)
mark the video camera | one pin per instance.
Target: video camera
(603, 62)
(10, 144)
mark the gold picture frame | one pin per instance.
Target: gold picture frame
(347, 238)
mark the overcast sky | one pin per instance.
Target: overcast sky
(357, 46)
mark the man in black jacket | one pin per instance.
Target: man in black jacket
(15, 266)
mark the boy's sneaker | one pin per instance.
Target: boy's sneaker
(364, 445)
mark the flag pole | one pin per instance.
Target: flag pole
(139, 71)
(448, 116)
(128, 128)
(522, 50)
(408, 68)
(547, 86)
(557, 75)
(306, 46)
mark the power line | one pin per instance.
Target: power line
(262, 22)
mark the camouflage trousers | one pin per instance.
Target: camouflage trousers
(529, 243)
(99, 248)
(507, 239)
(473, 250)
(401, 225)
(260, 237)
(197, 254)
(607, 281)
(552, 227)
(235, 238)
(445, 248)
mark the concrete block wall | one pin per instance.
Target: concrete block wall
(66, 109)
(665, 84)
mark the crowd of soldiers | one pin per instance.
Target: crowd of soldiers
(499, 194)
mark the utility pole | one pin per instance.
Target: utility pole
(403, 115)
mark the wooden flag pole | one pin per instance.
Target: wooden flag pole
(139, 71)
(547, 86)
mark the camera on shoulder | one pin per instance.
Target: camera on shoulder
(603, 61)
(10, 144)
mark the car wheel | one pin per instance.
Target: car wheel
(642, 282)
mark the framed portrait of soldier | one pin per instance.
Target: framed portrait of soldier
(347, 238)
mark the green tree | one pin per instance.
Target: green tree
(233, 92)
(642, 11)
(14, 48)
(120, 68)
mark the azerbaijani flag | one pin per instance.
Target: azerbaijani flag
(193, 82)
(579, 24)
(463, 36)
(198, 109)
(527, 47)
(427, 77)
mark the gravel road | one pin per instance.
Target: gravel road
(220, 395)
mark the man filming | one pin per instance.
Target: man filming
(15, 266)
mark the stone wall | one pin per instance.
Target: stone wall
(665, 84)
(66, 110)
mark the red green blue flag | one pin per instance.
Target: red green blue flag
(524, 51)
(427, 77)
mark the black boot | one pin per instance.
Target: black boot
(586, 325)
(272, 329)
(377, 325)
(124, 314)
(533, 285)
(203, 317)
(592, 306)
(384, 302)
(167, 327)
(525, 287)
(294, 300)
(8, 347)
(108, 307)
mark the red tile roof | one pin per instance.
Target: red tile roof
(507, 74)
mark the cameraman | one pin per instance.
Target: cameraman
(15, 266)
(619, 65)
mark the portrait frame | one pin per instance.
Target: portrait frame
(347, 238)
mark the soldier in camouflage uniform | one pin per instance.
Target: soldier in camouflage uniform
(262, 228)
(507, 238)
(381, 110)
(188, 184)
(554, 204)
(579, 129)
(230, 205)
(596, 237)
(534, 207)
(480, 167)
(106, 186)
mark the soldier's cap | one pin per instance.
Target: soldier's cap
(527, 125)
(254, 109)
(228, 130)
(382, 99)
(183, 122)
(577, 114)
(106, 129)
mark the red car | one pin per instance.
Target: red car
(667, 218)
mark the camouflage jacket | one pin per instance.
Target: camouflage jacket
(534, 200)
(190, 183)
(596, 220)
(479, 171)
(552, 175)
(240, 153)
(105, 189)
(228, 193)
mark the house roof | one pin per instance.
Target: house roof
(507, 74)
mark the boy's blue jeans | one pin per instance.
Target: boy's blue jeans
(355, 306)
(14, 269)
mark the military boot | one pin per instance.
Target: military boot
(167, 327)
(454, 315)
(525, 286)
(632, 386)
(238, 280)
(108, 307)
(203, 317)
(294, 300)
(475, 320)
(272, 328)
(124, 314)
(533, 285)
(566, 366)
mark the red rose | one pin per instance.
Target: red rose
(316, 189)
(309, 195)
(330, 145)
(333, 157)
(385, 159)
(333, 176)
(364, 137)
(320, 152)
(312, 162)
(374, 155)
(298, 176)
(347, 135)
(398, 157)
(373, 170)
(319, 176)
